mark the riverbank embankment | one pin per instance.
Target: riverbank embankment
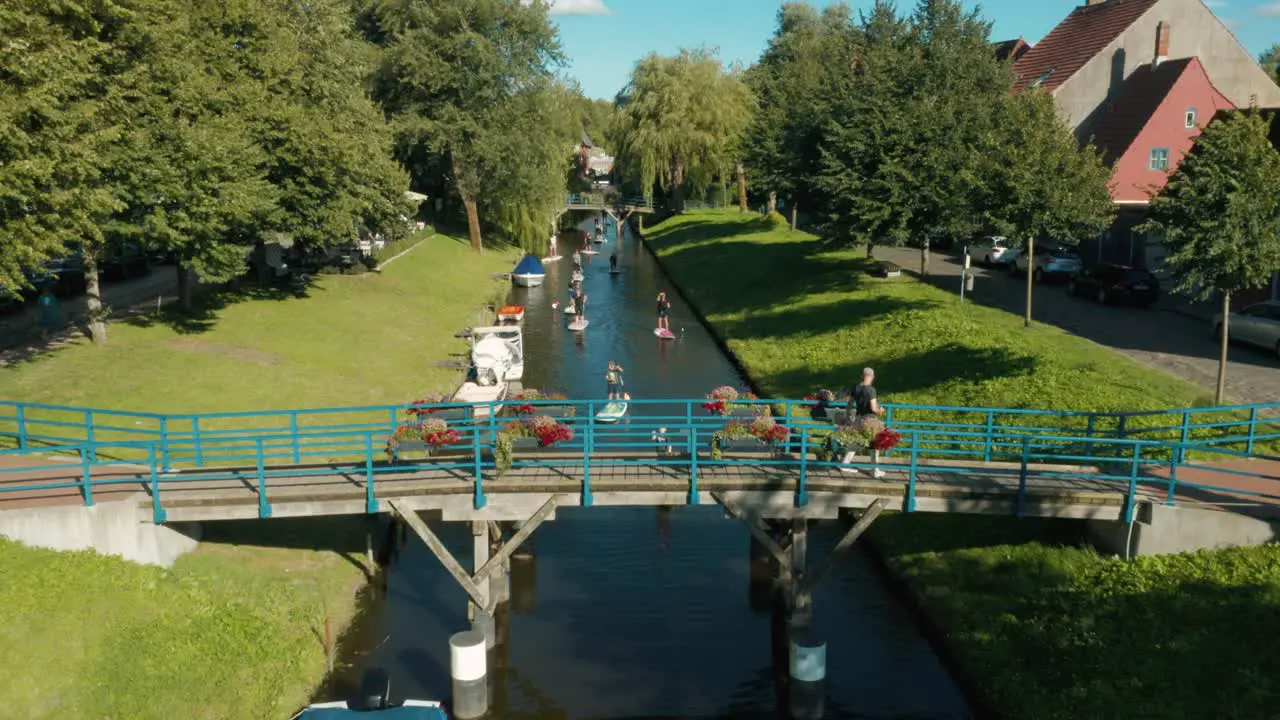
(1047, 626)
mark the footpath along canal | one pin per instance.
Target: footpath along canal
(636, 612)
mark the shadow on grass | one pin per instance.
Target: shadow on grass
(913, 373)
(203, 314)
(818, 319)
(1063, 633)
(345, 535)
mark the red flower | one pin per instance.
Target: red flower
(448, 437)
(885, 440)
(715, 407)
(525, 409)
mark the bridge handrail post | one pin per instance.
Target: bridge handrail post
(264, 508)
(478, 499)
(86, 478)
(90, 435)
(195, 440)
(986, 451)
(588, 436)
(802, 484)
(1133, 484)
(20, 415)
(164, 444)
(1175, 458)
(293, 427)
(1253, 429)
(158, 515)
(370, 500)
(693, 465)
(910, 505)
(1020, 508)
(1122, 432)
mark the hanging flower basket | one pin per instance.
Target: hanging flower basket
(524, 405)
(759, 434)
(430, 434)
(723, 401)
(427, 406)
(539, 431)
(824, 401)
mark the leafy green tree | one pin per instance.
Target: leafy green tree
(677, 119)
(1270, 61)
(795, 81)
(452, 74)
(1038, 182)
(1219, 216)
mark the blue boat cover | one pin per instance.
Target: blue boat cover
(400, 713)
(530, 265)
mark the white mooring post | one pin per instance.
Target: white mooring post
(468, 659)
(808, 675)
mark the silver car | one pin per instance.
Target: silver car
(1258, 324)
(1051, 261)
(993, 250)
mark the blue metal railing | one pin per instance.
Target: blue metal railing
(263, 447)
(189, 438)
(599, 200)
(261, 460)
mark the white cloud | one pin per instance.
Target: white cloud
(578, 7)
(1269, 9)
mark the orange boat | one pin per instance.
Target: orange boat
(511, 313)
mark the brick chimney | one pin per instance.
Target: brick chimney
(1162, 44)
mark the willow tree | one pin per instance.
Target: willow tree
(677, 119)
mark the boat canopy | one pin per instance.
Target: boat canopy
(397, 713)
(530, 265)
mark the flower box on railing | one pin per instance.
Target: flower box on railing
(754, 445)
(457, 413)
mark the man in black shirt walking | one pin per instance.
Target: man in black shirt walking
(863, 405)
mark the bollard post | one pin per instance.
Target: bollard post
(808, 671)
(468, 660)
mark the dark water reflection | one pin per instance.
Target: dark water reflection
(636, 612)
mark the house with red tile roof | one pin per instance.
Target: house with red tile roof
(1140, 79)
(1085, 61)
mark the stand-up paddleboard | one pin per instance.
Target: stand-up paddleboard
(615, 272)
(612, 412)
(570, 309)
(590, 251)
(664, 334)
(551, 258)
(579, 325)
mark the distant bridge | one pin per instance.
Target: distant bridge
(616, 203)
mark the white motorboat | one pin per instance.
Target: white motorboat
(529, 272)
(497, 354)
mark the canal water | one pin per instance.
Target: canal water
(639, 612)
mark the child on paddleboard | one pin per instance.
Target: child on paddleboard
(664, 309)
(613, 377)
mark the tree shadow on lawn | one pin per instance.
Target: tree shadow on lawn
(1098, 640)
(819, 319)
(909, 374)
(741, 276)
(205, 310)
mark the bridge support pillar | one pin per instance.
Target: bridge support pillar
(799, 591)
(500, 579)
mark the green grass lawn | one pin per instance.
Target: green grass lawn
(235, 629)
(1051, 628)
(1054, 630)
(353, 340)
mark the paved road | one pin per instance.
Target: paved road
(1157, 336)
(20, 328)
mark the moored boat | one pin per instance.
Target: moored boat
(529, 272)
(374, 703)
(511, 313)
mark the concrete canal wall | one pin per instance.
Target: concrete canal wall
(110, 528)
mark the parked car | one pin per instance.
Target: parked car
(123, 262)
(64, 276)
(1116, 283)
(1257, 324)
(993, 250)
(1052, 261)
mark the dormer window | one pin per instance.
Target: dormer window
(1190, 120)
(1040, 80)
(1159, 159)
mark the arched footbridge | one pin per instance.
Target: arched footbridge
(198, 467)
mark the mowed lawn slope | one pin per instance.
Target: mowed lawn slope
(353, 340)
(1049, 628)
(803, 315)
(235, 630)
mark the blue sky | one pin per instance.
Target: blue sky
(604, 38)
